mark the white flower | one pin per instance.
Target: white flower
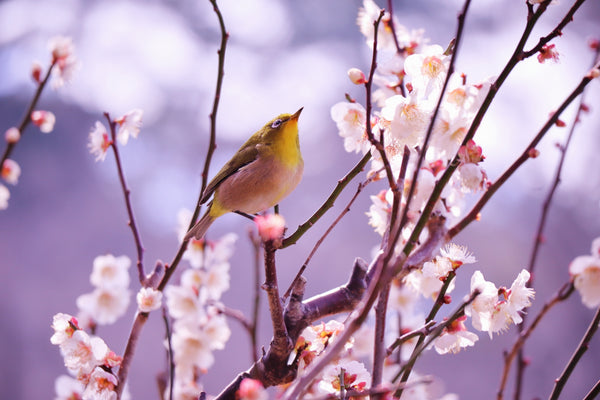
(351, 121)
(217, 331)
(205, 253)
(63, 55)
(129, 125)
(429, 280)
(64, 326)
(99, 141)
(110, 271)
(67, 388)
(585, 271)
(458, 255)
(101, 386)
(367, 15)
(408, 118)
(596, 247)
(471, 177)
(355, 377)
(184, 302)
(427, 70)
(192, 347)
(104, 305)
(454, 337)
(149, 299)
(494, 309)
(379, 211)
(4, 196)
(82, 353)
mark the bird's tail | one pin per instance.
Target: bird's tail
(201, 227)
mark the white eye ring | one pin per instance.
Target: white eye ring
(276, 124)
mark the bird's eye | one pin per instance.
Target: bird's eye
(276, 124)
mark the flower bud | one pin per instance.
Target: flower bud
(36, 72)
(270, 226)
(44, 119)
(12, 135)
(356, 76)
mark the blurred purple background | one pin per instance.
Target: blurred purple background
(161, 56)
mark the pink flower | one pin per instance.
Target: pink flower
(10, 171)
(547, 52)
(251, 389)
(101, 386)
(44, 119)
(270, 226)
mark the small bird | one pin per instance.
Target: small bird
(267, 168)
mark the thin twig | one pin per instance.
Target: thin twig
(538, 238)
(132, 341)
(422, 331)
(472, 215)
(563, 294)
(346, 209)
(127, 194)
(211, 146)
(579, 351)
(27, 117)
(594, 392)
(434, 335)
(256, 302)
(449, 171)
(439, 302)
(168, 335)
(280, 341)
(342, 183)
(392, 26)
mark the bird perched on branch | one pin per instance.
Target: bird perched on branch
(259, 175)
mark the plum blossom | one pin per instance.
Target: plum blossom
(63, 57)
(99, 141)
(351, 120)
(129, 125)
(585, 272)
(44, 120)
(68, 388)
(82, 352)
(101, 386)
(4, 196)
(10, 171)
(149, 299)
(270, 226)
(355, 377)
(64, 325)
(494, 309)
(110, 271)
(251, 389)
(454, 337)
(105, 304)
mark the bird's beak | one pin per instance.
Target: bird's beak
(296, 114)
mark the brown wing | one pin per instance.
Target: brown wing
(244, 156)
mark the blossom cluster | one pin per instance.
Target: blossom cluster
(63, 63)
(199, 326)
(86, 356)
(409, 79)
